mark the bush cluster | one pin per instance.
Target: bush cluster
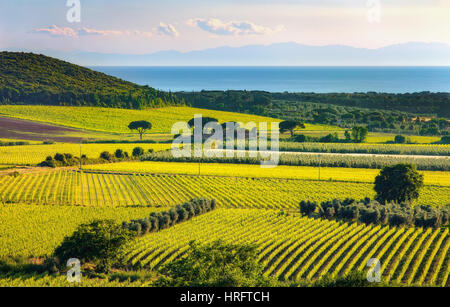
(18, 143)
(161, 220)
(372, 212)
(65, 159)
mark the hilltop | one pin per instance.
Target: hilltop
(28, 78)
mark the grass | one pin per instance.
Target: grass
(247, 170)
(34, 154)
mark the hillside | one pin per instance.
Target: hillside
(115, 120)
(27, 78)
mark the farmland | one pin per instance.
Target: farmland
(34, 154)
(255, 171)
(295, 248)
(104, 189)
(117, 120)
(36, 230)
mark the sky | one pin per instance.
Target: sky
(148, 26)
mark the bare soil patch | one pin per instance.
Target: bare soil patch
(12, 128)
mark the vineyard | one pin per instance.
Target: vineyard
(36, 230)
(295, 248)
(34, 154)
(46, 280)
(109, 189)
(397, 149)
(248, 170)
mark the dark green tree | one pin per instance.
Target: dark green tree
(399, 183)
(140, 126)
(100, 242)
(400, 139)
(290, 125)
(217, 264)
(205, 121)
(138, 151)
(119, 154)
(359, 134)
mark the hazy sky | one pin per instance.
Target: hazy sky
(144, 26)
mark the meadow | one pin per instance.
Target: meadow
(34, 154)
(108, 189)
(295, 248)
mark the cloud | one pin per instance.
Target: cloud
(69, 32)
(167, 29)
(57, 31)
(86, 32)
(218, 27)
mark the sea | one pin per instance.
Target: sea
(288, 79)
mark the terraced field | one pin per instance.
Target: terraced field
(108, 189)
(295, 248)
(34, 154)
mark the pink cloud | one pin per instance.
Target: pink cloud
(57, 31)
(86, 31)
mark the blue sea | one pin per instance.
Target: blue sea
(291, 79)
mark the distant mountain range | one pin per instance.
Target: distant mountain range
(282, 54)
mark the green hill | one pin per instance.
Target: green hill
(27, 78)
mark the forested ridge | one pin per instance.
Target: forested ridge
(422, 113)
(27, 78)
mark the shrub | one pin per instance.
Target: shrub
(100, 242)
(138, 151)
(445, 139)
(217, 264)
(119, 154)
(180, 213)
(400, 139)
(372, 212)
(106, 156)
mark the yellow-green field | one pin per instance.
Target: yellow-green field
(247, 170)
(117, 120)
(105, 189)
(295, 248)
(34, 154)
(36, 230)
